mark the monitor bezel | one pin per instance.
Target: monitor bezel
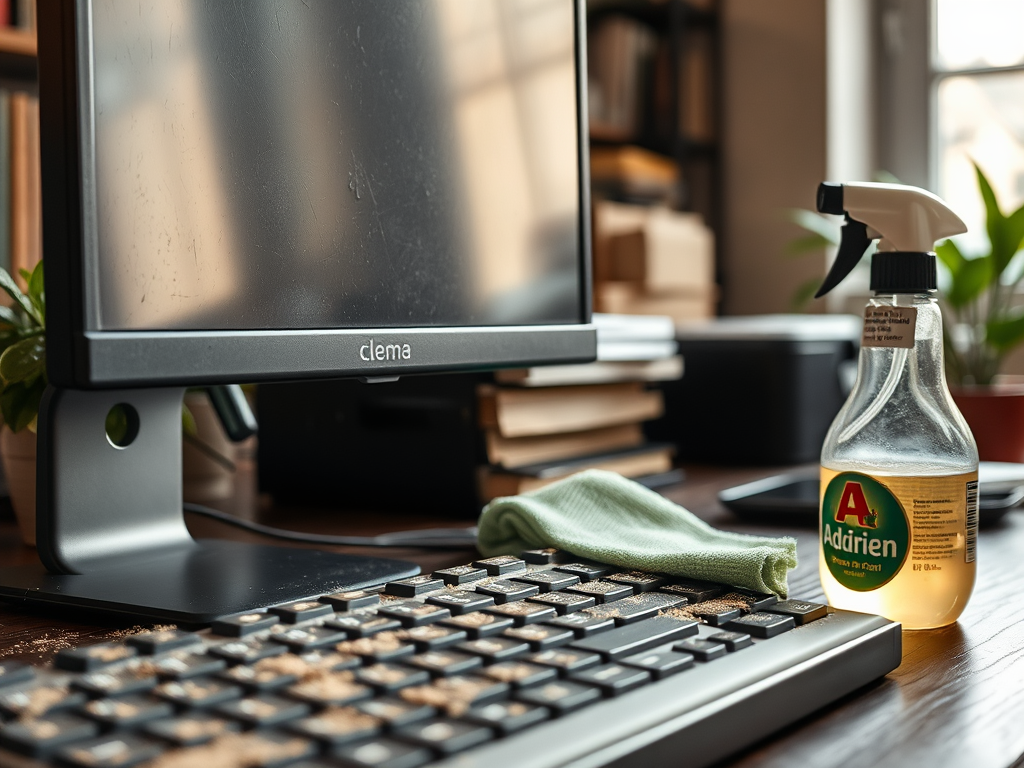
(80, 357)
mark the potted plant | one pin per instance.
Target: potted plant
(22, 381)
(984, 322)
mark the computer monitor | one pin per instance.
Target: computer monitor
(284, 190)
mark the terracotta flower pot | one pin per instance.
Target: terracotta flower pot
(18, 453)
(995, 415)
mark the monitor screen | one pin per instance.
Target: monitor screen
(248, 188)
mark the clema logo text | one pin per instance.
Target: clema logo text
(374, 352)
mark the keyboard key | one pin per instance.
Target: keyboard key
(582, 624)
(191, 730)
(388, 678)
(337, 726)
(445, 736)
(301, 610)
(496, 566)
(635, 638)
(479, 624)
(384, 646)
(694, 590)
(264, 711)
(184, 666)
(197, 693)
(733, 641)
(331, 690)
(507, 716)
(414, 614)
(508, 591)
(565, 660)
(259, 749)
(454, 695)
(564, 602)
(561, 697)
(302, 639)
(543, 556)
(114, 751)
(762, 625)
(460, 574)
(395, 713)
(613, 679)
(446, 663)
(636, 608)
(520, 674)
(14, 672)
(364, 624)
(351, 599)
(150, 643)
(495, 648)
(548, 581)
(384, 753)
(701, 650)
(802, 612)
(639, 581)
(261, 676)
(116, 683)
(660, 664)
(461, 602)
(541, 636)
(432, 636)
(90, 658)
(127, 712)
(757, 601)
(243, 624)
(41, 736)
(35, 702)
(585, 571)
(602, 591)
(248, 652)
(413, 586)
(523, 613)
(716, 616)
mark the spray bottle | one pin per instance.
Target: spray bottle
(899, 467)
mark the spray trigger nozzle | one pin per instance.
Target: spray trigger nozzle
(852, 247)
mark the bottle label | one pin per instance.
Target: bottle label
(889, 327)
(871, 529)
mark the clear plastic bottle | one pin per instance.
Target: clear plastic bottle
(899, 467)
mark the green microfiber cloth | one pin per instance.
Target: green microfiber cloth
(603, 516)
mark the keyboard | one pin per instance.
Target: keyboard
(538, 660)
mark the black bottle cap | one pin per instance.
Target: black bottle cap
(903, 272)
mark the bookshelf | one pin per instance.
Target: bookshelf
(20, 182)
(653, 91)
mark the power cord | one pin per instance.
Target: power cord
(430, 538)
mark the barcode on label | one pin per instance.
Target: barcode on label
(972, 521)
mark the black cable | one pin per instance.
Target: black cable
(431, 538)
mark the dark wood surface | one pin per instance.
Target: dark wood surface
(956, 700)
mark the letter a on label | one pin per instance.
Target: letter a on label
(853, 503)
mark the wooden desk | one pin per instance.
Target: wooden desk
(957, 699)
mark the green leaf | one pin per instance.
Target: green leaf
(1005, 334)
(24, 361)
(11, 288)
(803, 294)
(950, 255)
(973, 276)
(19, 404)
(820, 225)
(37, 292)
(9, 316)
(999, 231)
(813, 242)
(188, 422)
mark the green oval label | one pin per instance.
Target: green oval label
(864, 531)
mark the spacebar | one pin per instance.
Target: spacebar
(636, 638)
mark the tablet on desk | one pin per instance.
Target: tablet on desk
(793, 498)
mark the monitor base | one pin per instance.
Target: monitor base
(199, 582)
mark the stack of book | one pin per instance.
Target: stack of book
(21, 240)
(543, 424)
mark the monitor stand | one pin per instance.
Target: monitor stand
(111, 534)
